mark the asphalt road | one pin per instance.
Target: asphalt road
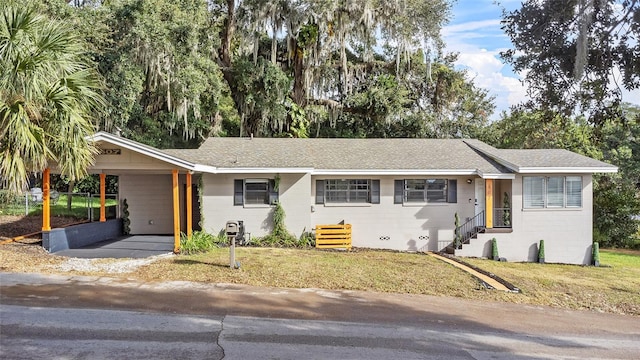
(57, 317)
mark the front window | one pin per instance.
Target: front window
(541, 192)
(256, 192)
(347, 191)
(425, 190)
(430, 191)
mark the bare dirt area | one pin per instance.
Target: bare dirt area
(12, 226)
(27, 254)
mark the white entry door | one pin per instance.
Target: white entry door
(480, 193)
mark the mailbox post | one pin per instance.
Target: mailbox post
(232, 230)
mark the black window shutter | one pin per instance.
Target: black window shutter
(398, 191)
(375, 191)
(452, 187)
(273, 193)
(238, 194)
(319, 191)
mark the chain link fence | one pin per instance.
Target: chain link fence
(82, 206)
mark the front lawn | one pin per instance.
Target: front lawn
(612, 287)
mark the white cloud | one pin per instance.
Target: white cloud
(479, 44)
(471, 26)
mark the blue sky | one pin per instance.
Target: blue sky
(474, 32)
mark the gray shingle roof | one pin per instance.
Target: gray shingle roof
(522, 159)
(340, 154)
(349, 155)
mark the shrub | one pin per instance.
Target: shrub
(8, 197)
(596, 254)
(541, 252)
(126, 222)
(201, 241)
(494, 249)
(307, 239)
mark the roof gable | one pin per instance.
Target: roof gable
(543, 160)
(141, 149)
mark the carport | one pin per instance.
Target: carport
(149, 180)
(127, 246)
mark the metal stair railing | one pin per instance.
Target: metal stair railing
(469, 229)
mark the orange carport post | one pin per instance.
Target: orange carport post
(176, 213)
(189, 204)
(103, 216)
(46, 204)
(489, 203)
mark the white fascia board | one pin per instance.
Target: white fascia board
(205, 169)
(461, 172)
(144, 150)
(499, 176)
(565, 170)
(239, 170)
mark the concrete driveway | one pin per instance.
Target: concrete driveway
(130, 246)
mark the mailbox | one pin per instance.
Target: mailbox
(232, 228)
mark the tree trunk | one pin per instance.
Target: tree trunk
(299, 94)
(227, 34)
(72, 184)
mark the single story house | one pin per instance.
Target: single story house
(400, 194)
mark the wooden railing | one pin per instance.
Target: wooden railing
(333, 236)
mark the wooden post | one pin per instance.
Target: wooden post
(103, 180)
(46, 203)
(189, 204)
(489, 202)
(176, 213)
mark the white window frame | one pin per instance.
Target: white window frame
(417, 186)
(547, 198)
(265, 196)
(349, 191)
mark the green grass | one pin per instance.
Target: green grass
(371, 270)
(78, 209)
(613, 287)
(617, 259)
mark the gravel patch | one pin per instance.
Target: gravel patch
(109, 266)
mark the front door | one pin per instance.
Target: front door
(480, 194)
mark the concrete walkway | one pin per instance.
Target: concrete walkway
(131, 246)
(487, 279)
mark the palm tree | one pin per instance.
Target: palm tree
(48, 93)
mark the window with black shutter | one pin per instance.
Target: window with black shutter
(254, 192)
